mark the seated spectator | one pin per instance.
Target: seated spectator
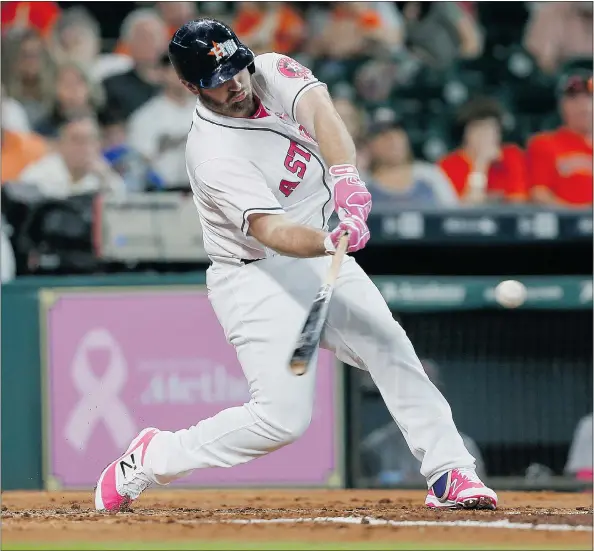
(146, 35)
(176, 14)
(269, 27)
(77, 38)
(77, 166)
(352, 29)
(173, 14)
(559, 31)
(159, 129)
(14, 116)
(39, 16)
(579, 461)
(386, 457)
(28, 72)
(560, 162)
(440, 32)
(396, 179)
(75, 94)
(483, 169)
(19, 150)
(133, 168)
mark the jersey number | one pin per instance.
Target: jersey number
(294, 165)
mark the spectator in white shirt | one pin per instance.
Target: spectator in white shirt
(77, 166)
(396, 179)
(7, 260)
(14, 116)
(159, 129)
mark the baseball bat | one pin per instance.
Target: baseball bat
(311, 332)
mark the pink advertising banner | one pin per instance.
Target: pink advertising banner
(119, 361)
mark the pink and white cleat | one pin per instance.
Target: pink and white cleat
(125, 479)
(460, 489)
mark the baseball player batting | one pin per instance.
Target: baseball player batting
(269, 160)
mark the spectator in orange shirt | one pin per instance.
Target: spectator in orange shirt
(20, 150)
(269, 27)
(19, 147)
(560, 162)
(483, 169)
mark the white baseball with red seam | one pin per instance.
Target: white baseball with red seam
(358, 235)
(511, 293)
(351, 197)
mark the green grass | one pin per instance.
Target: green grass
(252, 546)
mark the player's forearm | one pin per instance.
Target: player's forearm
(285, 237)
(300, 241)
(336, 145)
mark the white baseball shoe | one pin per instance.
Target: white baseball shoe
(125, 479)
(460, 489)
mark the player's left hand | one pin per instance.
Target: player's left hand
(358, 235)
(351, 197)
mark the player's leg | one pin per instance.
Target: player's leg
(261, 318)
(362, 332)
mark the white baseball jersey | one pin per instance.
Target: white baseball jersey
(264, 164)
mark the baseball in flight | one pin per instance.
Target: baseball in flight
(510, 293)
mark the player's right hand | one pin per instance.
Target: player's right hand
(358, 235)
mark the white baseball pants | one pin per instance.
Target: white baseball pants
(262, 307)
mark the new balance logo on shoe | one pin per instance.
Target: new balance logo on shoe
(123, 465)
(453, 486)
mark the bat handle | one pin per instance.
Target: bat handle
(343, 242)
(337, 258)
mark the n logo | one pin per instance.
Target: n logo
(454, 486)
(124, 464)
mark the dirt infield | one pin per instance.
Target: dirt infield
(207, 515)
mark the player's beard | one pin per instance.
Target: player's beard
(244, 108)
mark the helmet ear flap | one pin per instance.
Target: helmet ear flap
(251, 68)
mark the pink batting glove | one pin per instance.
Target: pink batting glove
(351, 197)
(358, 235)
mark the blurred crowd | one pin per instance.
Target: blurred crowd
(450, 103)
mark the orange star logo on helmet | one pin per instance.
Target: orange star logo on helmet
(223, 49)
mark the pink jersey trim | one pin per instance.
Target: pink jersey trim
(261, 111)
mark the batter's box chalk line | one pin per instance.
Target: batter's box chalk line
(370, 521)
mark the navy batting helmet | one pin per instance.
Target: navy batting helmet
(206, 53)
